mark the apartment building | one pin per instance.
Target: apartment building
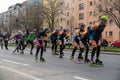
(84, 11)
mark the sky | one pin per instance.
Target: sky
(4, 4)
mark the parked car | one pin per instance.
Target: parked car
(68, 42)
(116, 43)
(104, 42)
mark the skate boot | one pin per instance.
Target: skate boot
(36, 59)
(21, 52)
(92, 62)
(31, 53)
(61, 56)
(45, 50)
(17, 51)
(81, 57)
(87, 60)
(55, 53)
(98, 61)
(42, 60)
(72, 58)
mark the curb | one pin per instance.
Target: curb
(102, 52)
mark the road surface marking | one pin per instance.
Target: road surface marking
(15, 62)
(21, 73)
(80, 78)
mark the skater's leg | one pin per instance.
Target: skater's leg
(98, 52)
(87, 50)
(32, 46)
(41, 55)
(94, 45)
(73, 52)
(53, 45)
(56, 47)
(61, 51)
(80, 53)
(45, 45)
(37, 51)
(6, 45)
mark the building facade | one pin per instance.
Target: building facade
(84, 11)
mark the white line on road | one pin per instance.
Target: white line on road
(21, 73)
(15, 62)
(80, 78)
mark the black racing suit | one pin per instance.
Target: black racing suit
(40, 37)
(62, 46)
(96, 36)
(54, 37)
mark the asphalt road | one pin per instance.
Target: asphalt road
(24, 67)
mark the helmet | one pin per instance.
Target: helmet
(57, 29)
(19, 31)
(104, 18)
(64, 30)
(82, 26)
(46, 30)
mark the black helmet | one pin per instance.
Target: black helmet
(82, 26)
(46, 30)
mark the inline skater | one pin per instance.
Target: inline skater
(95, 36)
(40, 44)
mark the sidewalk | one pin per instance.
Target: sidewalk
(102, 52)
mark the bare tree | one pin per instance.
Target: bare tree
(8, 24)
(111, 8)
(51, 12)
(31, 18)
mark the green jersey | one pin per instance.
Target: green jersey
(31, 37)
(23, 38)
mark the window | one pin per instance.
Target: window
(73, 9)
(110, 9)
(110, 33)
(106, 33)
(94, 2)
(67, 13)
(90, 23)
(81, 16)
(61, 19)
(67, 5)
(68, 22)
(110, 22)
(94, 23)
(91, 13)
(81, 6)
(80, 24)
(61, 11)
(90, 3)
(94, 13)
(100, 7)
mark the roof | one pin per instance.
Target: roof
(15, 6)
